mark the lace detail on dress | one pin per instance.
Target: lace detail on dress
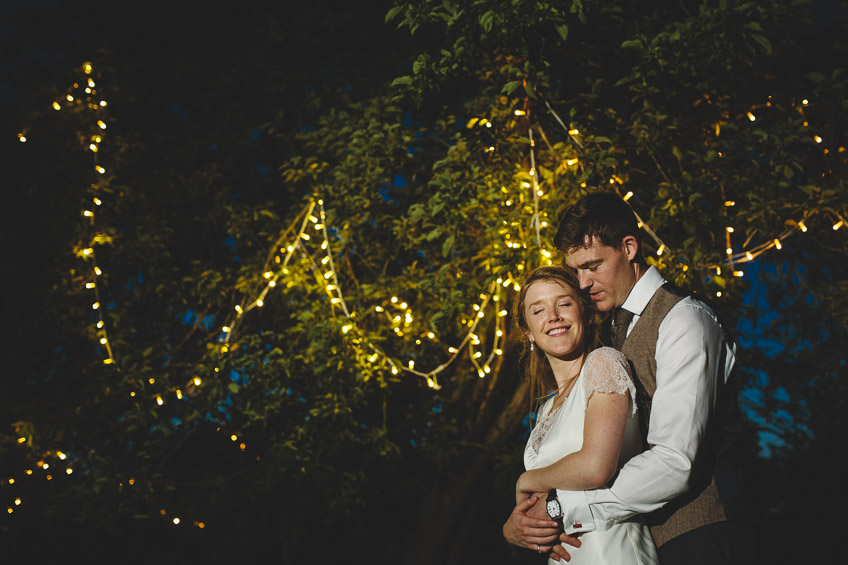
(607, 370)
(541, 430)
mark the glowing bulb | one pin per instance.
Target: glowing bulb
(729, 251)
(21, 138)
(817, 138)
(749, 256)
(394, 370)
(346, 328)
(837, 225)
(729, 203)
(93, 148)
(100, 169)
(571, 162)
(802, 226)
(738, 273)
(520, 112)
(103, 340)
(95, 306)
(573, 132)
(197, 381)
(260, 303)
(101, 124)
(159, 401)
(777, 243)
(56, 106)
(661, 249)
(69, 98)
(628, 196)
(805, 101)
(176, 521)
(87, 213)
(103, 103)
(238, 308)
(179, 394)
(729, 229)
(751, 116)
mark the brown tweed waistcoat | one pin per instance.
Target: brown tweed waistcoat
(701, 504)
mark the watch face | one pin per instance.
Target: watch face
(553, 508)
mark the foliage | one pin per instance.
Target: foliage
(290, 425)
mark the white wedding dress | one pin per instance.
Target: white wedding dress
(560, 432)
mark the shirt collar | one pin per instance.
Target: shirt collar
(643, 291)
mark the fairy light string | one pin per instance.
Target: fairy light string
(298, 238)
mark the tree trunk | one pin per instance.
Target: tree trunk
(453, 502)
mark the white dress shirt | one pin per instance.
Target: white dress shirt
(689, 357)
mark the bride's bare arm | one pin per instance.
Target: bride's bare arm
(596, 462)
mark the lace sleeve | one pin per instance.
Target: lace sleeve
(607, 370)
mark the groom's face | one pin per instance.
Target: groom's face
(606, 272)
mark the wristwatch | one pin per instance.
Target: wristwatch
(553, 506)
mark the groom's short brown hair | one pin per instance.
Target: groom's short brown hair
(604, 215)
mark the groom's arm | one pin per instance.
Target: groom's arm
(689, 351)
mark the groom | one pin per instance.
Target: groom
(683, 482)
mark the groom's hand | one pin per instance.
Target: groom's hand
(529, 526)
(558, 550)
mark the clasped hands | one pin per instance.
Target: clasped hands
(529, 526)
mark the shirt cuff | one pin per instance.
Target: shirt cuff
(577, 517)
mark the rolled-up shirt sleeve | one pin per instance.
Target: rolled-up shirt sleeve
(693, 358)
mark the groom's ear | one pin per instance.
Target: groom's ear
(630, 245)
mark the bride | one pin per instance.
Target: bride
(586, 429)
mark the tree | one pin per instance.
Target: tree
(313, 358)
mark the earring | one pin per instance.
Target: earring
(531, 345)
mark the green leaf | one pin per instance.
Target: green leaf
(392, 13)
(402, 81)
(487, 19)
(509, 87)
(447, 245)
(762, 41)
(562, 31)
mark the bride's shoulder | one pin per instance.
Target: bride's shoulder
(606, 355)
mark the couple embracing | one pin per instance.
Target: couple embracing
(630, 459)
